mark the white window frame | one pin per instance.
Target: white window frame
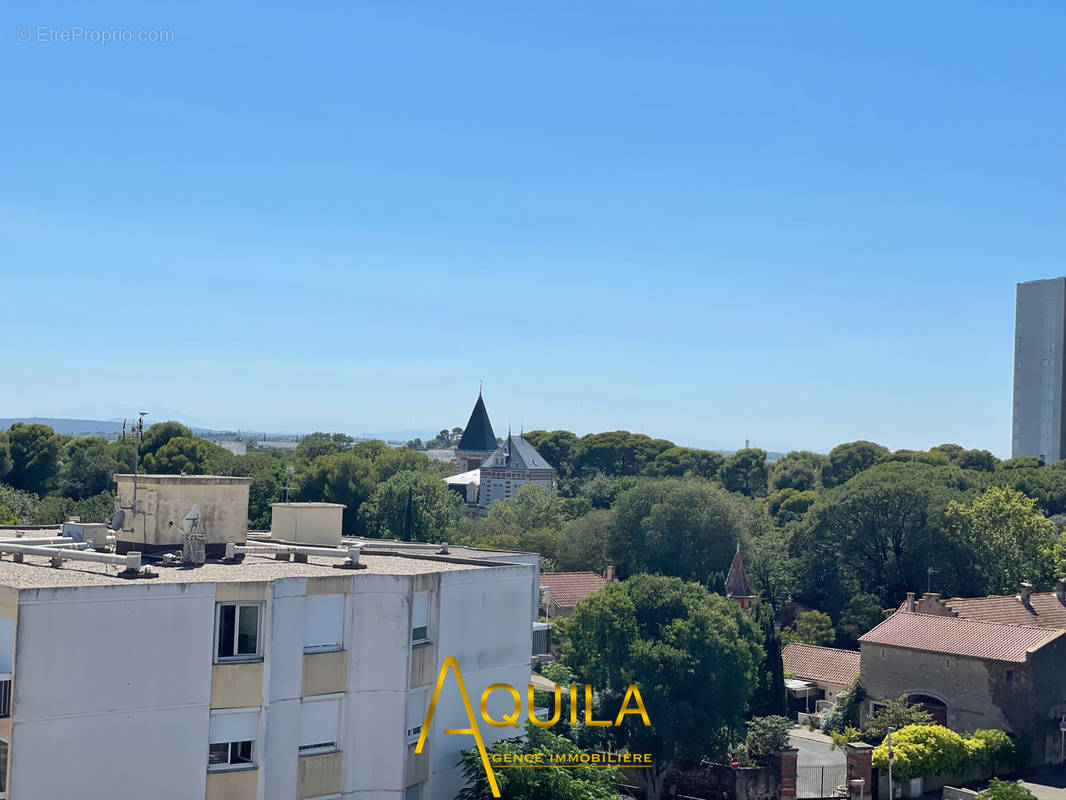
(315, 748)
(418, 697)
(244, 657)
(230, 766)
(331, 647)
(414, 600)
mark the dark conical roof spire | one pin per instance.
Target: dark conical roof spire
(736, 582)
(478, 435)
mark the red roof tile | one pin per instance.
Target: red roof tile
(821, 664)
(964, 637)
(1046, 612)
(569, 588)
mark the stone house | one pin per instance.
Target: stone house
(829, 669)
(974, 663)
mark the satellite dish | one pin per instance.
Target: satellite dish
(118, 519)
(192, 520)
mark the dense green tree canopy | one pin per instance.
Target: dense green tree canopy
(686, 528)
(746, 472)
(157, 435)
(411, 506)
(34, 452)
(89, 467)
(848, 460)
(318, 444)
(693, 655)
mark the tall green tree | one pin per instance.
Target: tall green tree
(88, 469)
(799, 469)
(811, 627)
(693, 655)
(688, 528)
(345, 478)
(412, 506)
(34, 452)
(1009, 540)
(746, 472)
(5, 456)
(769, 697)
(158, 434)
(180, 455)
(861, 613)
(849, 459)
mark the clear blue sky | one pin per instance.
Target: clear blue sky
(798, 223)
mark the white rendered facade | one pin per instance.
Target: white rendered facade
(1038, 427)
(119, 690)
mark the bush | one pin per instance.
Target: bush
(845, 711)
(1006, 790)
(923, 750)
(989, 747)
(766, 735)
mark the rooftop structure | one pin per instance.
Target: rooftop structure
(736, 581)
(281, 670)
(562, 591)
(1039, 609)
(478, 439)
(821, 664)
(963, 637)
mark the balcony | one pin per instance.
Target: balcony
(5, 696)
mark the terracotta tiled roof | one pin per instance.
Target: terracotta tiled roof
(568, 588)
(1046, 611)
(822, 664)
(964, 637)
(736, 580)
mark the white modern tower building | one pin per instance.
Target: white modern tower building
(1039, 347)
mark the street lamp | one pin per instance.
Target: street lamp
(891, 786)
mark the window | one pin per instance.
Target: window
(231, 738)
(237, 632)
(1010, 676)
(413, 792)
(323, 622)
(3, 768)
(416, 715)
(320, 719)
(420, 617)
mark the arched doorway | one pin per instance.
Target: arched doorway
(934, 706)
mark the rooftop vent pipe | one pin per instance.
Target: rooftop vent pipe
(77, 552)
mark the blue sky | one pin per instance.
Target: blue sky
(796, 223)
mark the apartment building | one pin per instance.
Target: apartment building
(1039, 415)
(280, 672)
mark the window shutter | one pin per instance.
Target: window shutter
(232, 726)
(319, 721)
(324, 621)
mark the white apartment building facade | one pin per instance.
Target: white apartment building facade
(267, 679)
(1039, 429)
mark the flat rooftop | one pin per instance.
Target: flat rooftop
(36, 572)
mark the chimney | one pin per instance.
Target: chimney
(1027, 589)
(1060, 590)
(610, 573)
(910, 602)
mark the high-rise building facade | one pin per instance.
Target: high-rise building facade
(1039, 347)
